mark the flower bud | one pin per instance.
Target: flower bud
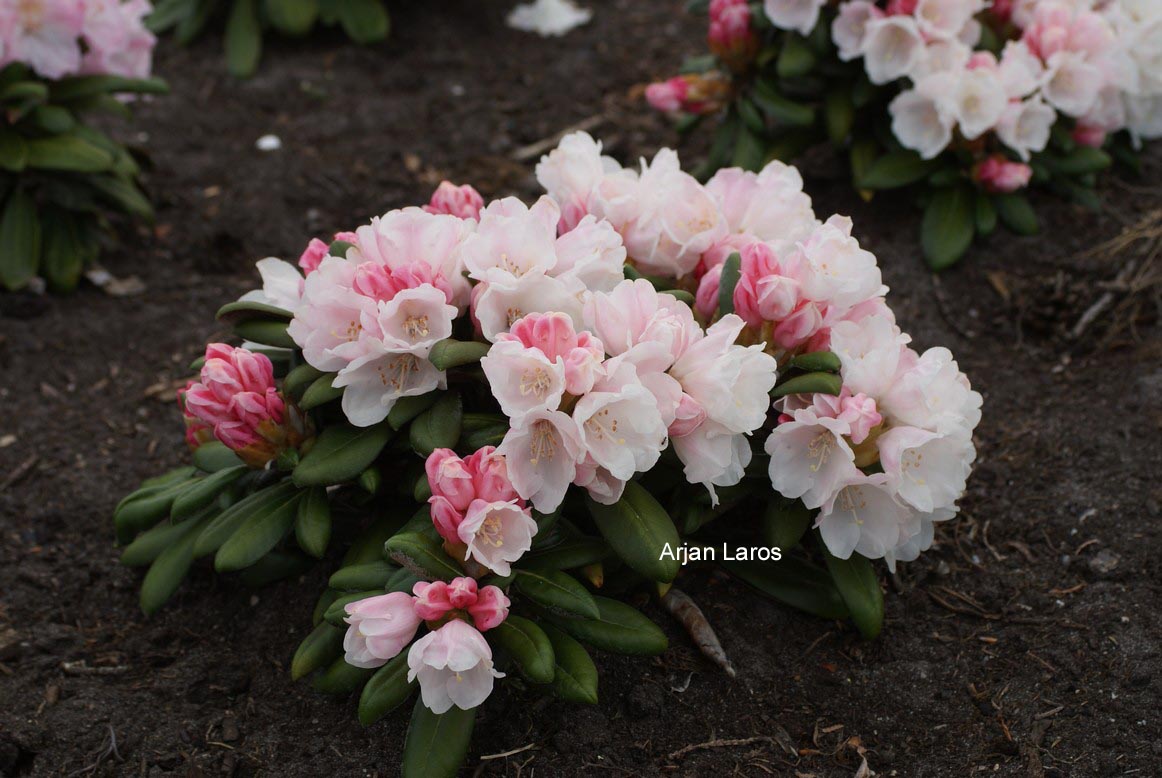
(698, 93)
(462, 201)
(490, 608)
(730, 36)
(999, 175)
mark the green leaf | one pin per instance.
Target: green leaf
(437, 743)
(364, 21)
(292, 17)
(794, 582)
(19, 241)
(271, 499)
(569, 554)
(948, 226)
(817, 362)
(811, 383)
(785, 522)
(53, 119)
(24, 91)
(340, 454)
(213, 456)
(268, 332)
(67, 153)
(13, 150)
(619, 628)
(1083, 159)
(78, 87)
(149, 545)
(639, 530)
(451, 353)
(275, 566)
(358, 578)
(556, 591)
(439, 426)
(322, 647)
(858, 585)
(203, 493)
(387, 690)
(985, 214)
(257, 535)
(529, 647)
(246, 310)
(1016, 213)
(166, 573)
(731, 272)
(862, 156)
(749, 150)
(298, 379)
(65, 251)
(422, 556)
(780, 108)
(896, 169)
(402, 580)
(341, 678)
(796, 57)
(145, 507)
(575, 675)
(243, 38)
(838, 113)
(122, 194)
(320, 392)
(407, 408)
(313, 522)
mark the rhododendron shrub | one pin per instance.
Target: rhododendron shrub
(965, 101)
(61, 178)
(247, 21)
(499, 419)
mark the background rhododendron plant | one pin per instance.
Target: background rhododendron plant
(61, 60)
(969, 102)
(507, 418)
(363, 21)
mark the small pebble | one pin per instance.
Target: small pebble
(269, 143)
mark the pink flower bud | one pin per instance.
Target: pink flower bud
(667, 95)
(380, 628)
(312, 255)
(997, 174)
(450, 478)
(688, 416)
(446, 518)
(490, 608)
(706, 299)
(730, 35)
(462, 201)
(462, 592)
(1090, 135)
(432, 601)
(490, 479)
(902, 7)
(700, 93)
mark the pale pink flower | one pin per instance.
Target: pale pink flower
(863, 516)
(810, 458)
(892, 47)
(542, 453)
(490, 609)
(1025, 126)
(380, 628)
(454, 667)
(497, 533)
(570, 172)
(849, 30)
(450, 477)
(797, 15)
(635, 313)
(45, 35)
(313, 254)
(620, 425)
(769, 205)
(923, 117)
(929, 470)
(431, 600)
(460, 201)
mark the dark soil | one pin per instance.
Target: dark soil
(1026, 643)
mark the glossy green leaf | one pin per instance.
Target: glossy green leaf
(257, 535)
(341, 678)
(529, 647)
(896, 169)
(1017, 214)
(358, 578)
(731, 272)
(243, 38)
(205, 492)
(575, 675)
(639, 530)
(558, 592)
(439, 426)
(859, 586)
(809, 383)
(619, 628)
(321, 391)
(340, 454)
(313, 522)
(19, 241)
(271, 498)
(794, 582)
(785, 522)
(166, 573)
(456, 353)
(268, 332)
(817, 362)
(422, 556)
(214, 456)
(319, 649)
(386, 690)
(436, 744)
(948, 226)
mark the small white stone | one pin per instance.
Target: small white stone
(269, 143)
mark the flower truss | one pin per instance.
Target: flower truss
(509, 417)
(60, 61)
(967, 101)
(363, 21)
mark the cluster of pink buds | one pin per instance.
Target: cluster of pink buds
(997, 174)
(236, 402)
(476, 509)
(732, 38)
(460, 201)
(317, 250)
(697, 93)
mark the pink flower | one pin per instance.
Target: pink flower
(553, 335)
(44, 34)
(730, 35)
(496, 534)
(997, 174)
(450, 478)
(490, 475)
(454, 667)
(462, 201)
(380, 628)
(700, 93)
(237, 398)
(431, 600)
(313, 255)
(490, 609)
(462, 592)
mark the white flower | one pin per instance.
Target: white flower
(927, 469)
(282, 284)
(414, 320)
(635, 313)
(591, 255)
(869, 351)
(1024, 127)
(512, 241)
(496, 533)
(810, 459)
(373, 382)
(892, 48)
(797, 15)
(523, 379)
(923, 117)
(850, 27)
(1071, 83)
(863, 516)
(941, 56)
(933, 394)
(841, 273)
(1020, 70)
(732, 383)
(769, 205)
(620, 426)
(542, 454)
(570, 172)
(943, 19)
(1145, 116)
(979, 102)
(712, 455)
(454, 667)
(498, 305)
(330, 315)
(911, 548)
